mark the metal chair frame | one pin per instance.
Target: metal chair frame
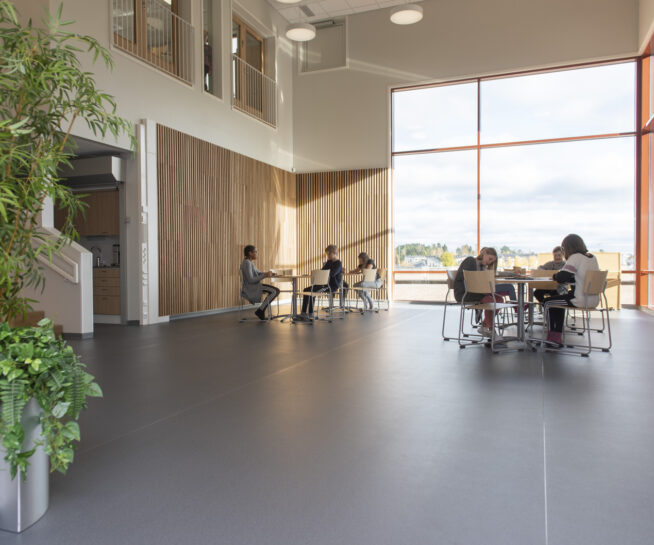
(595, 285)
(476, 282)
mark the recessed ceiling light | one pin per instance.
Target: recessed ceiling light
(406, 14)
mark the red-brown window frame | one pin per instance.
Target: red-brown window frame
(642, 178)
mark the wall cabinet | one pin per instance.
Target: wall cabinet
(101, 217)
(106, 291)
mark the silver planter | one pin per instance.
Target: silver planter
(24, 501)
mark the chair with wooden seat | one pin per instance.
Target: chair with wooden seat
(369, 275)
(595, 285)
(320, 277)
(381, 293)
(481, 282)
(451, 276)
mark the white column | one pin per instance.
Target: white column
(148, 229)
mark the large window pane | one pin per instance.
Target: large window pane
(434, 207)
(532, 196)
(435, 219)
(585, 101)
(437, 117)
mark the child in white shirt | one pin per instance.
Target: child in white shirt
(578, 262)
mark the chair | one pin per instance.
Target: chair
(320, 277)
(595, 286)
(480, 282)
(241, 306)
(381, 292)
(451, 275)
(369, 275)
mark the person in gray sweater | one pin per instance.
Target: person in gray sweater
(252, 289)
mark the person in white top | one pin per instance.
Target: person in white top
(578, 262)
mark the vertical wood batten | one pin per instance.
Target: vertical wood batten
(347, 208)
(212, 202)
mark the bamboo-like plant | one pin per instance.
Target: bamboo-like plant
(43, 92)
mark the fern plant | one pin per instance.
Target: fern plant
(34, 363)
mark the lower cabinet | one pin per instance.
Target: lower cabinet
(106, 291)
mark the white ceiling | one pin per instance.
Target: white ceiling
(327, 9)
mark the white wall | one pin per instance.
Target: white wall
(645, 22)
(66, 303)
(341, 117)
(143, 92)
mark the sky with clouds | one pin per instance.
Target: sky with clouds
(532, 195)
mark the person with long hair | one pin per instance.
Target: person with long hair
(486, 260)
(578, 262)
(365, 262)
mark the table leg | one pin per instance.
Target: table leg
(294, 301)
(521, 311)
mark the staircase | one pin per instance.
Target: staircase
(31, 319)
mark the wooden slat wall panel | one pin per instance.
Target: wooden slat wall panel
(347, 208)
(212, 202)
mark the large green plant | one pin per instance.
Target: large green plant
(43, 92)
(34, 363)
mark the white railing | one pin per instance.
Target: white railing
(149, 30)
(63, 265)
(253, 92)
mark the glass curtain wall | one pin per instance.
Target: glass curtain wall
(515, 163)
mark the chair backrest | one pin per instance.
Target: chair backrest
(382, 275)
(595, 282)
(479, 281)
(451, 277)
(320, 277)
(369, 275)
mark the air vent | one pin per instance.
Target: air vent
(307, 11)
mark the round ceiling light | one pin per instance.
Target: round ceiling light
(406, 14)
(289, 1)
(300, 32)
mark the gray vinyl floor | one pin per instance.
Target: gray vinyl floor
(367, 431)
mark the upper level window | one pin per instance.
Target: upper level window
(253, 92)
(211, 47)
(155, 32)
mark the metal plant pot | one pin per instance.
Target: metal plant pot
(24, 501)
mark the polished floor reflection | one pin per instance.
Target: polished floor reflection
(366, 431)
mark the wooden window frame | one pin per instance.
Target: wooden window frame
(252, 104)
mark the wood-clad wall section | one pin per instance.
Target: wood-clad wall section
(347, 208)
(212, 202)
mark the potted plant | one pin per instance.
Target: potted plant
(43, 386)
